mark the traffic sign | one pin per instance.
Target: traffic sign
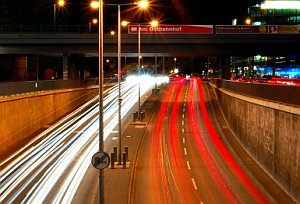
(170, 29)
(100, 160)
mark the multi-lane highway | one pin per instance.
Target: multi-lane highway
(184, 158)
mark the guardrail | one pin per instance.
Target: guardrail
(279, 93)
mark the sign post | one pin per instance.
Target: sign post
(100, 160)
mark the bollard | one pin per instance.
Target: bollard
(142, 115)
(126, 151)
(116, 153)
(135, 116)
(124, 160)
(157, 90)
(112, 162)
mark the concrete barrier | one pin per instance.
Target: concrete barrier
(270, 132)
(22, 115)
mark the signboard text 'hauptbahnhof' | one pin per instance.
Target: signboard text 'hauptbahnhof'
(171, 29)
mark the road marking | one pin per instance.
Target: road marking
(185, 151)
(182, 130)
(184, 104)
(182, 115)
(194, 183)
(183, 110)
(183, 140)
(188, 165)
(182, 122)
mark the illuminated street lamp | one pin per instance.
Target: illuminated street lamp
(95, 4)
(95, 20)
(153, 23)
(60, 3)
(99, 5)
(143, 4)
(248, 21)
(175, 67)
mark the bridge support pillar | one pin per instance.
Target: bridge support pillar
(76, 66)
(225, 66)
(65, 66)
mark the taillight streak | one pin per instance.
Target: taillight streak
(224, 152)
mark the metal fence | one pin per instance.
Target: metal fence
(54, 29)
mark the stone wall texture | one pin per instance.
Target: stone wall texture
(270, 132)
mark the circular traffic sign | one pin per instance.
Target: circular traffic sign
(100, 160)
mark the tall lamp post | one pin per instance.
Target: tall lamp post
(153, 23)
(101, 121)
(142, 4)
(59, 3)
(139, 68)
(99, 5)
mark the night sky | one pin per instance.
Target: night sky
(205, 12)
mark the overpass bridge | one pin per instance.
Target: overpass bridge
(221, 42)
(163, 45)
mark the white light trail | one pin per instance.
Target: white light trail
(55, 150)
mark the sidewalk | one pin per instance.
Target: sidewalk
(118, 182)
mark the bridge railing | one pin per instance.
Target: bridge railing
(53, 29)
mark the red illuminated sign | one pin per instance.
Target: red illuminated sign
(171, 29)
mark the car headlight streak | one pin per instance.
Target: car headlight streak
(55, 154)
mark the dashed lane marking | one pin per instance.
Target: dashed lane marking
(185, 151)
(188, 165)
(194, 183)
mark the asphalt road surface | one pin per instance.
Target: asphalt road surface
(186, 157)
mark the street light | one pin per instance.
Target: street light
(153, 23)
(143, 5)
(59, 3)
(99, 5)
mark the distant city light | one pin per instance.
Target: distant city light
(248, 21)
(95, 21)
(257, 23)
(280, 5)
(124, 23)
(234, 22)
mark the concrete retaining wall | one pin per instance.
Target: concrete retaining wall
(271, 134)
(25, 114)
